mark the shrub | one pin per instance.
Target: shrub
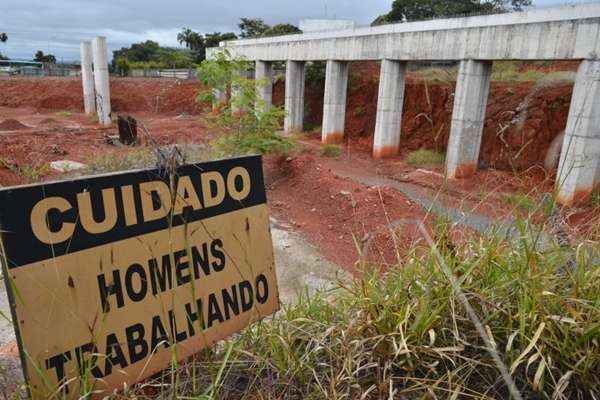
(248, 126)
(253, 143)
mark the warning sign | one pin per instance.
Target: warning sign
(108, 275)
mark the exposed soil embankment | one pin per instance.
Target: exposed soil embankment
(522, 118)
(127, 94)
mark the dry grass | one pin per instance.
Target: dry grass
(403, 334)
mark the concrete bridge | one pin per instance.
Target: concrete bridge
(562, 33)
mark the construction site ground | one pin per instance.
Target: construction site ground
(343, 211)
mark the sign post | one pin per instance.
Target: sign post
(108, 275)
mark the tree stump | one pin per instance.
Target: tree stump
(127, 129)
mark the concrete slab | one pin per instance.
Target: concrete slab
(300, 266)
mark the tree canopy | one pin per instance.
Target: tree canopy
(256, 27)
(252, 27)
(3, 38)
(197, 43)
(150, 54)
(414, 10)
(192, 40)
(44, 58)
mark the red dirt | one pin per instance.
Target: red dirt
(164, 96)
(522, 119)
(12, 125)
(77, 138)
(304, 190)
(338, 215)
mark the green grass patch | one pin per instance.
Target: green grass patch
(64, 114)
(331, 150)
(425, 157)
(252, 143)
(503, 71)
(444, 75)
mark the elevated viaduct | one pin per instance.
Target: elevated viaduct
(562, 33)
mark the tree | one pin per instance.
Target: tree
(213, 39)
(193, 41)
(255, 28)
(150, 55)
(281, 29)
(252, 27)
(3, 39)
(44, 58)
(414, 10)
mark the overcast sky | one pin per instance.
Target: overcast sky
(57, 26)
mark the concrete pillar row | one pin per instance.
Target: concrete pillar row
(386, 141)
(294, 96)
(87, 78)
(264, 85)
(100, 59)
(468, 117)
(579, 167)
(334, 104)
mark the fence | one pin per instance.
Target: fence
(163, 73)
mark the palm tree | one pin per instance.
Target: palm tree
(192, 40)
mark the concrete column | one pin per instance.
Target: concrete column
(579, 167)
(264, 85)
(87, 78)
(466, 130)
(220, 98)
(294, 96)
(334, 104)
(101, 80)
(386, 141)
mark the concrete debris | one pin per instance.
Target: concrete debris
(66, 165)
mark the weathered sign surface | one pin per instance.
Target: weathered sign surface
(106, 274)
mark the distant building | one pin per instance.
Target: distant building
(319, 25)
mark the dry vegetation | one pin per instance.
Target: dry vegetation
(404, 334)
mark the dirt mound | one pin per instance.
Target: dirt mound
(335, 213)
(49, 121)
(12, 125)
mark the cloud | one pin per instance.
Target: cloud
(58, 26)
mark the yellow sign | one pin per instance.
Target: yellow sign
(108, 275)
